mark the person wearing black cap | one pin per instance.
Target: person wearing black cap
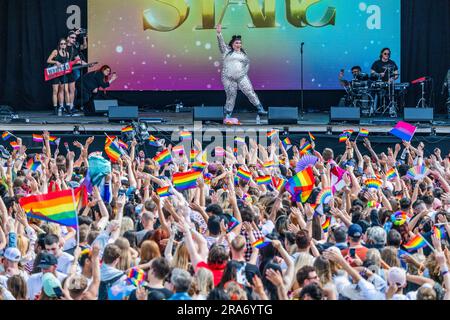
(47, 263)
(355, 250)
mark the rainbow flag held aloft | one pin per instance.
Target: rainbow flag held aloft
(193, 155)
(261, 243)
(349, 131)
(304, 149)
(54, 140)
(280, 184)
(404, 131)
(113, 150)
(326, 224)
(127, 129)
(32, 165)
(178, 149)
(185, 180)
(15, 145)
(244, 175)
(186, 135)
(391, 174)
(207, 177)
(122, 144)
(311, 137)
(301, 185)
(38, 138)
(271, 133)
(136, 276)
(343, 137)
(264, 180)
(153, 141)
(199, 166)
(6, 135)
(269, 164)
(439, 232)
(239, 140)
(59, 207)
(164, 192)
(416, 243)
(163, 157)
(363, 132)
(287, 144)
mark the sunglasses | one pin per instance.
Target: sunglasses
(62, 43)
(386, 54)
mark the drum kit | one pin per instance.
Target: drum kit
(374, 96)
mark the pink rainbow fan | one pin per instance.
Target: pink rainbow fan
(417, 172)
(325, 196)
(305, 162)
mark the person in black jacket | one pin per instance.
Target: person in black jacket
(90, 84)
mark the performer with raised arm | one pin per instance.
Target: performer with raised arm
(235, 73)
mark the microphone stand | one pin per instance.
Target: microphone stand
(302, 91)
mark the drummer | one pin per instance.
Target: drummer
(356, 72)
(384, 69)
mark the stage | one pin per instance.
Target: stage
(172, 121)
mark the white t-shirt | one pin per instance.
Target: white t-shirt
(65, 262)
(34, 284)
(4, 278)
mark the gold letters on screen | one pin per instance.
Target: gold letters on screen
(262, 17)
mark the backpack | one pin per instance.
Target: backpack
(105, 286)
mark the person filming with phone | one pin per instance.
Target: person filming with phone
(356, 252)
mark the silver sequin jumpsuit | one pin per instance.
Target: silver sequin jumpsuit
(234, 75)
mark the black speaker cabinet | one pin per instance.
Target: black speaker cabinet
(283, 115)
(122, 113)
(348, 114)
(102, 106)
(208, 113)
(418, 114)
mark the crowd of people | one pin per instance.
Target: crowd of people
(231, 238)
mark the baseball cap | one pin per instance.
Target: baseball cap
(355, 231)
(51, 285)
(47, 260)
(12, 254)
(397, 275)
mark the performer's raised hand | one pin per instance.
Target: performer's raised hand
(219, 28)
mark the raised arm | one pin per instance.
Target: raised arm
(222, 45)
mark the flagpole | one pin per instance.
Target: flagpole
(431, 247)
(76, 216)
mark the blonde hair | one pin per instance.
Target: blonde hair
(54, 228)
(149, 250)
(203, 281)
(390, 256)
(303, 259)
(235, 291)
(22, 244)
(323, 269)
(125, 260)
(126, 225)
(420, 258)
(181, 257)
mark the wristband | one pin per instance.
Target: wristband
(443, 273)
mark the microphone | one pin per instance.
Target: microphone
(302, 46)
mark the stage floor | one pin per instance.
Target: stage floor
(313, 122)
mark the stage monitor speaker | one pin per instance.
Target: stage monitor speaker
(283, 115)
(209, 113)
(349, 114)
(418, 114)
(122, 113)
(102, 106)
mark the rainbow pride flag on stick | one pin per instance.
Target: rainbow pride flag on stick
(38, 138)
(58, 207)
(186, 135)
(326, 224)
(404, 131)
(244, 175)
(112, 149)
(127, 129)
(185, 180)
(33, 165)
(164, 192)
(301, 184)
(6, 135)
(261, 243)
(363, 133)
(193, 154)
(163, 157)
(416, 243)
(264, 180)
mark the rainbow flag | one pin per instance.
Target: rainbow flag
(301, 184)
(311, 137)
(404, 131)
(439, 232)
(261, 243)
(264, 180)
(207, 177)
(326, 224)
(6, 135)
(199, 166)
(127, 129)
(349, 131)
(269, 164)
(415, 243)
(232, 224)
(219, 151)
(305, 148)
(38, 138)
(185, 180)
(343, 137)
(15, 145)
(239, 140)
(32, 165)
(58, 207)
(123, 145)
(164, 192)
(287, 144)
(373, 183)
(186, 135)
(113, 150)
(136, 276)
(163, 157)
(271, 133)
(178, 149)
(153, 141)
(363, 132)
(193, 155)
(281, 183)
(244, 175)
(54, 140)
(391, 174)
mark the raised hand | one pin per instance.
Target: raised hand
(219, 28)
